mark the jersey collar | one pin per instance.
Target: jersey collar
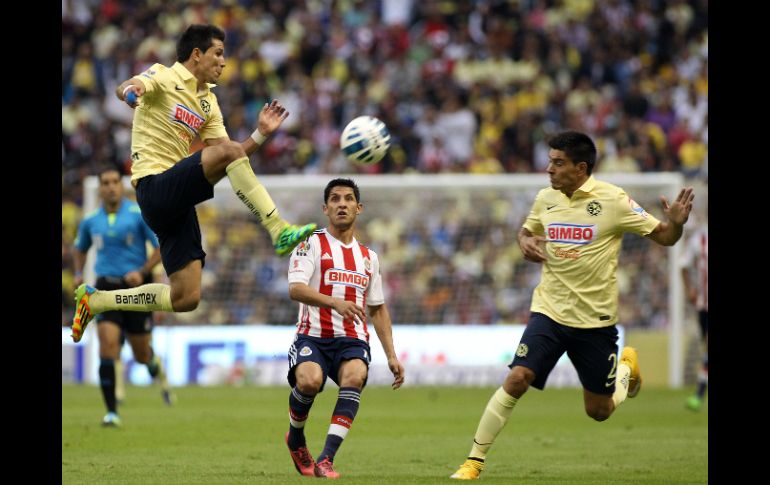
(188, 77)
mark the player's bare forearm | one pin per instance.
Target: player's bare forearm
(384, 327)
(152, 261)
(668, 233)
(304, 294)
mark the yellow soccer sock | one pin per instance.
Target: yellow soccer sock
(621, 384)
(145, 298)
(253, 194)
(496, 414)
(120, 386)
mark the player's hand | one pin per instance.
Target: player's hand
(533, 248)
(271, 116)
(679, 211)
(398, 372)
(350, 310)
(132, 93)
(133, 278)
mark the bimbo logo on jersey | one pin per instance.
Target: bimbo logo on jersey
(572, 233)
(191, 119)
(336, 276)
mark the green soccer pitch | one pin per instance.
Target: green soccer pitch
(411, 436)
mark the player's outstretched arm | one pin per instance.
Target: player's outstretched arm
(668, 233)
(270, 118)
(384, 327)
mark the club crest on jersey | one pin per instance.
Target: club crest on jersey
(572, 233)
(302, 248)
(336, 276)
(205, 106)
(637, 208)
(305, 351)
(367, 265)
(594, 208)
(189, 118)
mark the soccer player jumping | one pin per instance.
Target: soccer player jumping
(173, 106)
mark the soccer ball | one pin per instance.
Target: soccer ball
(365, 140)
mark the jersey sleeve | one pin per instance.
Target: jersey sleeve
(215, 125)
(374, 293)
(533, 223)
(83, 239)
(150, 78)
(632, 217)
(304, 260)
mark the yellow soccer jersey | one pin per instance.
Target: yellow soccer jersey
(578, 286)
(169, 116)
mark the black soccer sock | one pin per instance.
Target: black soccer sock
(342, 418)
(299, 408)
(107, 382)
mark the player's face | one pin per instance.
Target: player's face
(565, 175)
(342, 208)
(212, 62)
(110, 187)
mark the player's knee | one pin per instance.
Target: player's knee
(599, 413)
(232, 151)
(142, 356)
(187, 302)
(309, 385)
(518, 380)
(356, 381)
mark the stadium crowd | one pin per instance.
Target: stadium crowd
(464, 87)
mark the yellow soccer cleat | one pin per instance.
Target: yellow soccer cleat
(290, 236)
(470, 470)
(83, 313)
(630, 357)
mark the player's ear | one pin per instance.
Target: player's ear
(359, 208)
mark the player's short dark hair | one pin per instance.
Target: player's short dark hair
(200, 36)
(344, 183)
(577, 146)
(108, 170)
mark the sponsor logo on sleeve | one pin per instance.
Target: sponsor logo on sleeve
(637, 208)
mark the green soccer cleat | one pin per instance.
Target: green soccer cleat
(693, 403)
(290, 236)
(112, 420)
(470, 470)
(83, 313)
(630, 357)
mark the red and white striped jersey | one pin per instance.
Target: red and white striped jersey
(347, 271)
(696, 259)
